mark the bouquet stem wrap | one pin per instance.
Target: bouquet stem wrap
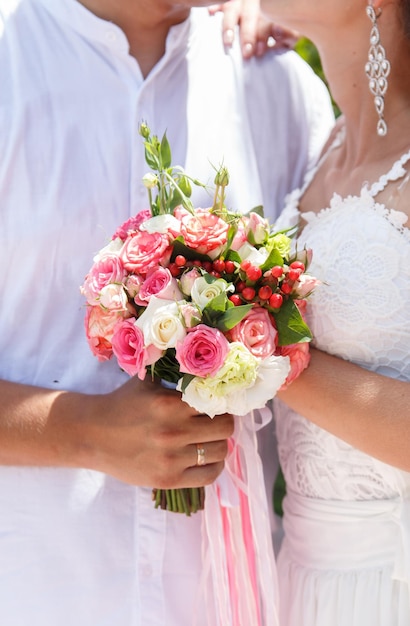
(239, 563)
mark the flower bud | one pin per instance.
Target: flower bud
(222, 177)
(150, 181)
(144, 130)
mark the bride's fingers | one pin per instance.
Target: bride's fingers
(257, 33)
(244, 13)
(283, 37)
(232, 16)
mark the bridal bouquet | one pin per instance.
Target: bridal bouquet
(203, 298)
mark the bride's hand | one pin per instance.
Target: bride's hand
(257, 33)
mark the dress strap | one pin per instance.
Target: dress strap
(396, 172)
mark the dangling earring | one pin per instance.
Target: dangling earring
(377, 70)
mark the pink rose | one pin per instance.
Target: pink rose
(158, 283)
(132, 224)
(305, 285)
(202, 352)
(128, 347)
(257, 228)
(202, 231)
(299, 356)
(108, 269)
(99, 329)
(305, 256)
(191, 314)
(145, 251)
(187, 280)
(257, 332)
(133, 284)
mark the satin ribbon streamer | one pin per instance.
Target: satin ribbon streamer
(239, 563)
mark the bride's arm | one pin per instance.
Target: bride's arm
(367, 410)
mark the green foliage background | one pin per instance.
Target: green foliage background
(309, 53)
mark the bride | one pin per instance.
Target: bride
(344, 426)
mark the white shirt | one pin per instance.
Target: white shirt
(77, 547)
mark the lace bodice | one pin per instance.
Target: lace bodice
(361, 252)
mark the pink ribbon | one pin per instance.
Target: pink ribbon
(239, 563)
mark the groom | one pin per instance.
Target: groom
(81, 445)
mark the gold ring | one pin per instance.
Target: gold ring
(200, 451)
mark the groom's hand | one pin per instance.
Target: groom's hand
(146, 435)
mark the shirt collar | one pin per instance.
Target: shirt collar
(91, 27)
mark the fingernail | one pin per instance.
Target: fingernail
(228, 37)
(271, 42)
(247, 50)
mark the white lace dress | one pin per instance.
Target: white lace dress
(345, 559)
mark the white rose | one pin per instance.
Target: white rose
(161, 324)
(161, 224)
(113, 247)
(271, 374)
(250, 253)
(203, 292)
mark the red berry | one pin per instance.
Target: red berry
(229, 267)
(253, 273)
(286, 288)
(180, 260)
(277, 271)
(276, 301)
(215, 273)
(265, 292)
(197, 263)
(240, 286)
(174, 269)
(236, 299)
(207, 265)
(294, 274)
(245, 265)
(297, 265)
(248, 293)
(219, 265)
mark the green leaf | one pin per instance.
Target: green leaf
(290, 325)
(257, 209)
(186, 379)
(166, 367)
(218, 304)
(233, 256)
(232, 230)
(274, 258)
(179, 247)
(175, 199)
(165, 152)
(151, 158)
(232, 317)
